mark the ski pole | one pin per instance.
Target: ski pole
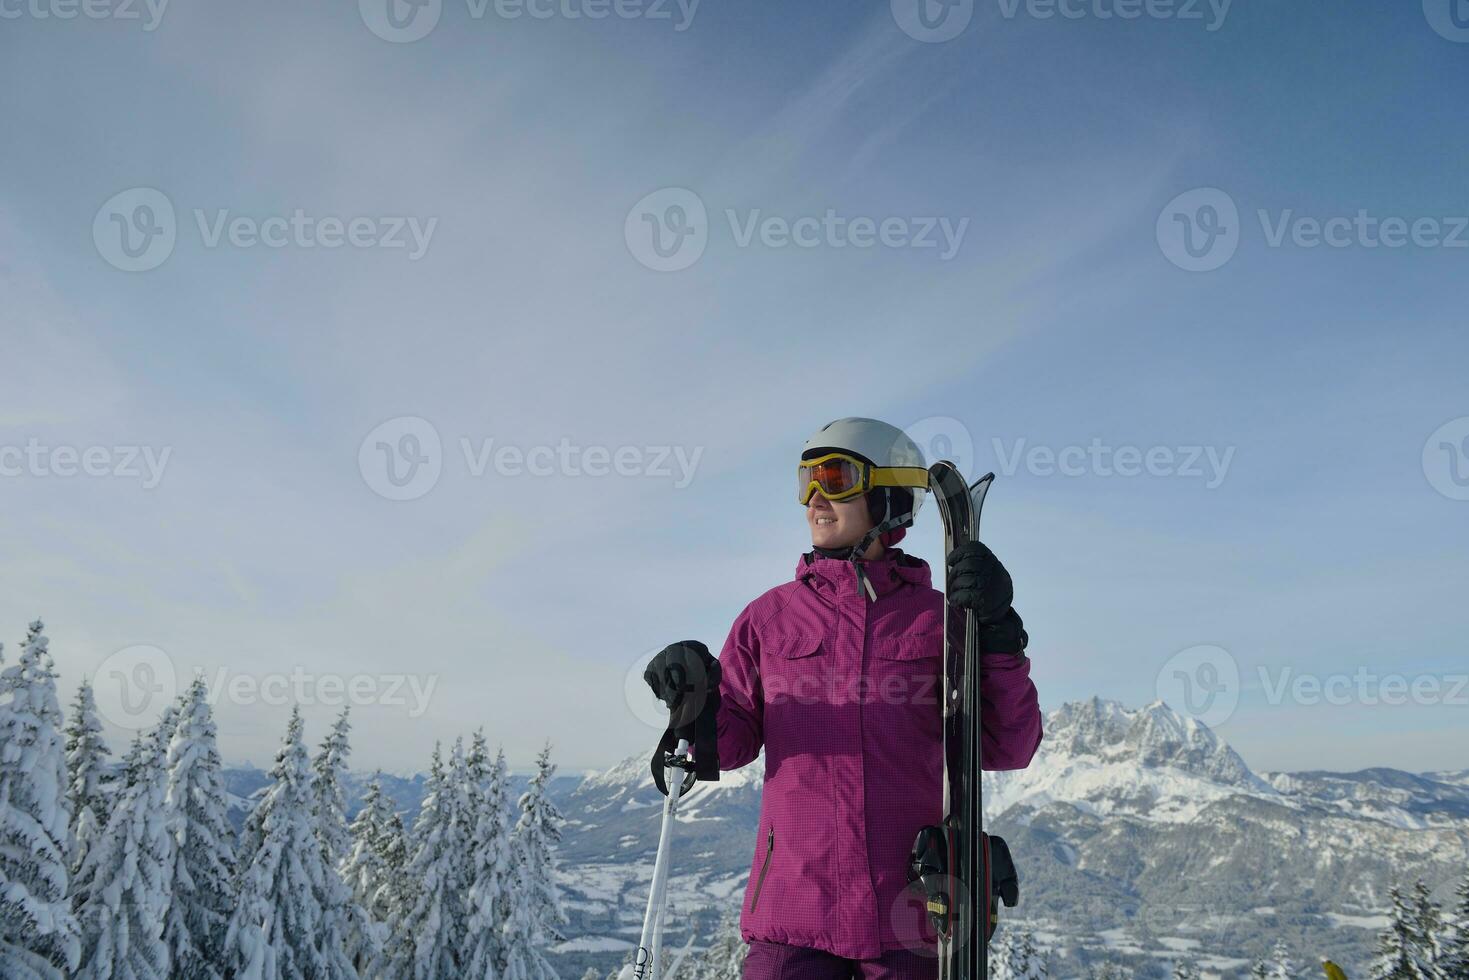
(650, 944)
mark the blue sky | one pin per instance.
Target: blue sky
(1061, 318)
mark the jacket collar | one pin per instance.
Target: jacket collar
(836, 576)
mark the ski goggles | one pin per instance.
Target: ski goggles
(838, 476)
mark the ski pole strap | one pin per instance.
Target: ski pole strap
(705, 740)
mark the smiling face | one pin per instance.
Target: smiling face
(837, 525)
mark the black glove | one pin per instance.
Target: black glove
(684, 676)
(980, 583)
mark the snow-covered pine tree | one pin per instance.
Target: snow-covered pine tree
(126, 880)
(203, 868)
(488, 899)
(1399, 955)
(1004, 954)
(535, 913)
(1281, 965)
(280, 929)
(427, 936)
(144, 744)
(346, 917)
(330, 768)
(365, 871)
(86, 772)
(1456, 948)
(1260, 970)
(1185, 970)
(398, 893)
(725, 957)
(1033, 965)
(39, 936)
(1428, 924)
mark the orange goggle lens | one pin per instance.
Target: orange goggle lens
(836, 479)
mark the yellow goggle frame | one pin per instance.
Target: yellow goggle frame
(857, 475)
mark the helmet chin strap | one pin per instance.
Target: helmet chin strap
(889, 522)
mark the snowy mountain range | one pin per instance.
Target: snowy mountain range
(1138, 832)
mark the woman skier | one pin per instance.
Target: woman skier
(837, 675)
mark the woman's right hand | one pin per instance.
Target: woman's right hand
(684, 676)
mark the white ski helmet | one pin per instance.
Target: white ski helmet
(888, 458)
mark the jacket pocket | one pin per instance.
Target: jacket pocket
(794, 647)
(905, 680)
(912, 647)
(764, 868)
(795, 672)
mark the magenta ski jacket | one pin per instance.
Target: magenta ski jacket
(843, 695)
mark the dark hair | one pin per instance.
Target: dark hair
(878, 498)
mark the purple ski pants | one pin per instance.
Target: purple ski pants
(777, 961)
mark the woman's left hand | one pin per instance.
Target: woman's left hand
(978, 582)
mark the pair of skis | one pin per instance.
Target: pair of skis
(951, 862)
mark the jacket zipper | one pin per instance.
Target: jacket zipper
(764, 867)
